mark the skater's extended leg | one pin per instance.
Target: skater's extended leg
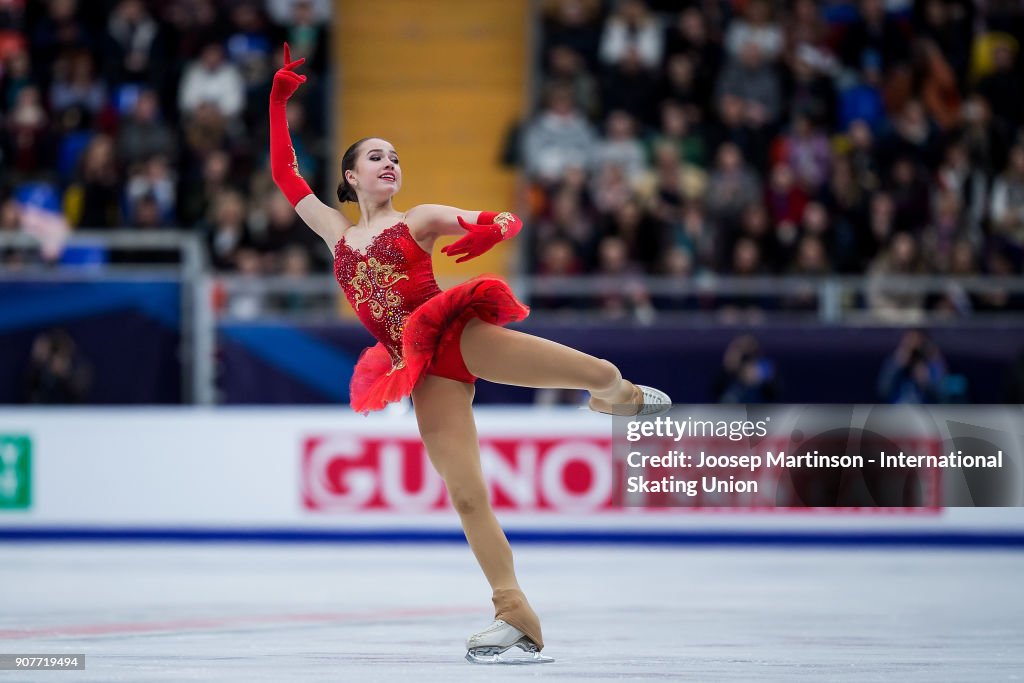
(445, 416)
(507, 356)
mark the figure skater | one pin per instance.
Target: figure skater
(434, 344)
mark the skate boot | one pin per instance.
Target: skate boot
(644, 401)
(515, 625)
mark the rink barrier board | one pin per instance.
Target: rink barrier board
(237, 474)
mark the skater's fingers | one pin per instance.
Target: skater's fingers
(290, 76)
(287, 54)
(297, 63)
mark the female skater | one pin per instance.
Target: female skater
(433, 345)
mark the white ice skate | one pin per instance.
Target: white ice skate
(651, 401)
(489, 646)
(656, 401)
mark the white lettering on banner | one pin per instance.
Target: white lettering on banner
(353, 489)
(514, 478)
(553, 476)
(395, 475)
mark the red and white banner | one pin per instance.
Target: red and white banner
(346, 472)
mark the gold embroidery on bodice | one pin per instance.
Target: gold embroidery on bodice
(372, 285)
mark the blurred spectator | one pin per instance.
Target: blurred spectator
(134, 47)
(1001, 88)
(632, 30)
(914, 372)
(844, 200)
(807, 37)
(294, 265)
(890, 300)
(946, 227)
(621, 146)
(76, 84)
(285, 231)
(611, 189)
(574, 24)
(28, 143)
(987, 139)
(558, 137)
(94, 198)
(15, 74)
(568, 66)
(155, 181)
(862, 100)
(909, 192)
(755, 27)
(874, 38)
(671, 184)
(568, 225)
(557, 258)
(936, 85)
(732, 186)
(812, 92)
(785, 199)
(675, 130)
(747, 375)
(750, 78)
(955, 300)
(1007, 204)
(227, 235)
(62, 28)
(808, 152)
(640, 233)
(968, 183)
(630, 86)
(145, 213)
(624, 293)
(199, 191)
(950, 24)
(212, 79)
(691, 37)
(862, 156)
(57, 373)
(143, 135)
(306, 34)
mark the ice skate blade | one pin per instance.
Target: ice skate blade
(496, 655)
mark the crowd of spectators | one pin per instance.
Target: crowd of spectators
(143, 114)
(759, 137)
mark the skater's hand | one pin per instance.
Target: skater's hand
(286, 81)
(481, 237)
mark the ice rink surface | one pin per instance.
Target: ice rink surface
(271, 613)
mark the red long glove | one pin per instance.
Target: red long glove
(284, 165)
(489, 229)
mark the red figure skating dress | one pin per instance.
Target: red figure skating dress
(392, 289)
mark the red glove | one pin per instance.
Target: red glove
(489, 229)
(284, 166)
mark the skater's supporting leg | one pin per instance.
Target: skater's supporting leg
(506, 356)
(445, 416)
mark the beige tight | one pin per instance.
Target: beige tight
(445, 417)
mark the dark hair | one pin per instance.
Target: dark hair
(347, 193)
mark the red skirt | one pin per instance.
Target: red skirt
(436, 324)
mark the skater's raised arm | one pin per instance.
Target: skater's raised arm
(284, 165)
(480, 230)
